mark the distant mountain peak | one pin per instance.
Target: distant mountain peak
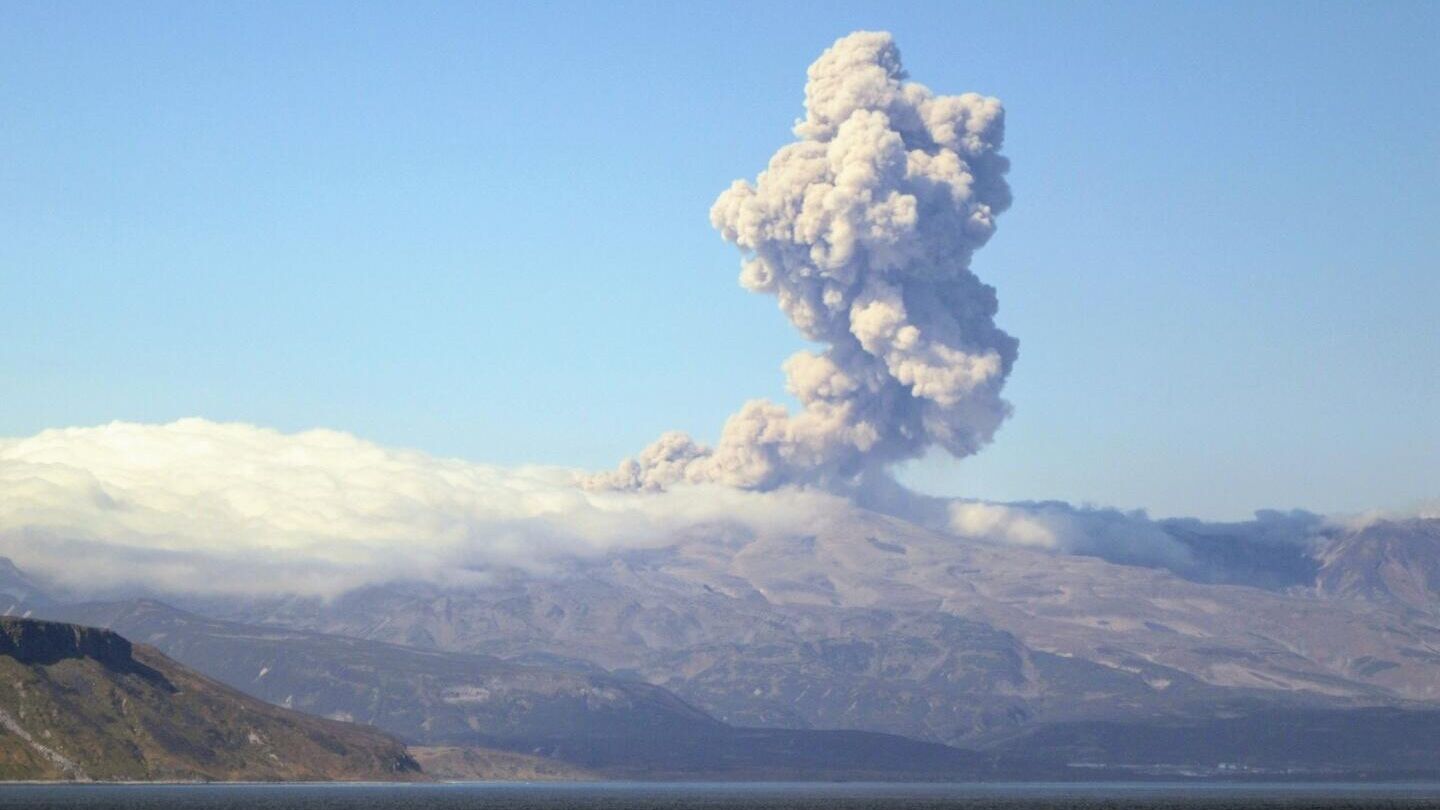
(18, 592)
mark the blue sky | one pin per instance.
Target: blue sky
(482, 231)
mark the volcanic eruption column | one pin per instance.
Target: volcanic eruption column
(863, 228)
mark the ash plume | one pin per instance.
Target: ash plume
(863, 229)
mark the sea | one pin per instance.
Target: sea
(719, 796)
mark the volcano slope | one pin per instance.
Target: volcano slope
(869, 622)
(470, 715)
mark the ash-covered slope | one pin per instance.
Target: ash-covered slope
(1391, 562)
(579, 722)
(870, 622)
(423, 696)
(82, 703)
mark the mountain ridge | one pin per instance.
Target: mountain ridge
(1395, 562)
(453, 704)
(943, 639)
(865, 624)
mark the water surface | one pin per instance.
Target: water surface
(721, 796)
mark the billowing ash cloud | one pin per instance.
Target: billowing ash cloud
(196, 506)
(863, 229)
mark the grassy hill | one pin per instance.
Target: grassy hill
(81, 703)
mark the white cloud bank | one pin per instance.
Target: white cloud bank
(1060, 527)
(208, 508)
(212, 508)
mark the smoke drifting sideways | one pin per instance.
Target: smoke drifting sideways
(863, 229)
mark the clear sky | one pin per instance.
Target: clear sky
(481, 230)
